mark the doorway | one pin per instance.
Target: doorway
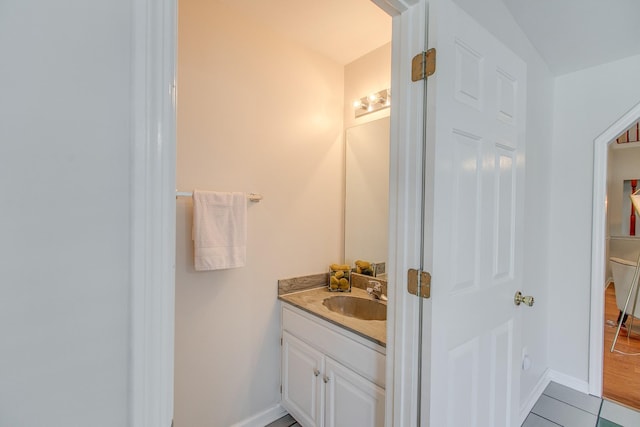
(603, 308)
(257, 112)
(154, 211)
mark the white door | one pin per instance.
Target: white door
(475, 133)
(351, 400)
(301, 381)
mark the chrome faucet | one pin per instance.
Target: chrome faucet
(376, 290)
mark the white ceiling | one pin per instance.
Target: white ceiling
(342, 30)
(574, 34)
(569, 34)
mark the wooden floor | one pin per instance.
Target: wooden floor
(621, 372)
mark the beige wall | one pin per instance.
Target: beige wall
(256, 113)
(367, 74)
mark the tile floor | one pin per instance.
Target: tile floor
(559, 406)
(286, 421)
(565, 407)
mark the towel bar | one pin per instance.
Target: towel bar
(254, 197)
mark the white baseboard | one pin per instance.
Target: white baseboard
(263, 418)
(535, 394)
(548, 376)
(608, 282)
(569, 381)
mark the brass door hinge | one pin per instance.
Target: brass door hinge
(419, 283)
(423, 65)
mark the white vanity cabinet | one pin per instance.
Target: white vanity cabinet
(351, 400)
(330, 377)
(301, 381)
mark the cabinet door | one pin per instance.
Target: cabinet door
(301, 381)
(351, 400)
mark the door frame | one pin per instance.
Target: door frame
(152, 226)
(153, 170)
(598, 245)
(405, 214)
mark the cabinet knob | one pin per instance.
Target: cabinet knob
(326, 379)
(316, 372)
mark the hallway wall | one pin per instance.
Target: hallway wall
(586, 103)
(65, 173)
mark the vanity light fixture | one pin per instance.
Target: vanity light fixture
(373, 102)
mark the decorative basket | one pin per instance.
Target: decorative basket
(339, 278)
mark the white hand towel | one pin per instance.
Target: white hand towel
(219, 230)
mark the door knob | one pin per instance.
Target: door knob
(519, 298)
(316, 372)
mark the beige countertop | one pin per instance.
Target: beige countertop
(311, 302)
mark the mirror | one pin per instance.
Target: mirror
(367, 192)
